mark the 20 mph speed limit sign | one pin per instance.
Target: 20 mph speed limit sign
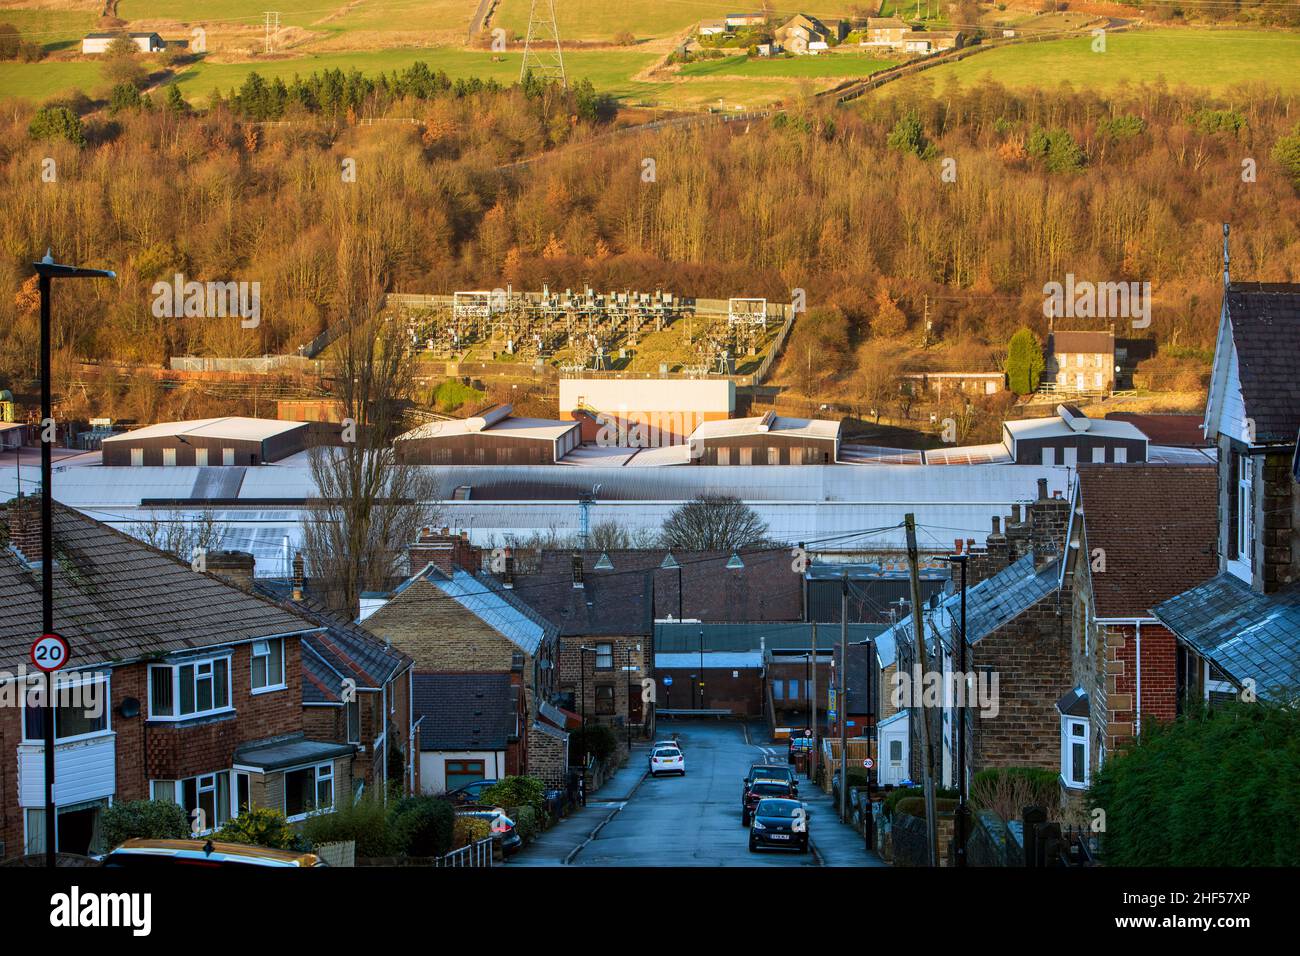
(50, 652)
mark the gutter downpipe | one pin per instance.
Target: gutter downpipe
(1137, 623)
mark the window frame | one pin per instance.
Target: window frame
(254, 657)
(1068, 741)
(321, 772)
(604, 649)
(106, 717)
(175, 668)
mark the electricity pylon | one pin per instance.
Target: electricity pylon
(543, 32)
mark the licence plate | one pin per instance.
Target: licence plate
(780, 836)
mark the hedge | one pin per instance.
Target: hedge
(143, 819)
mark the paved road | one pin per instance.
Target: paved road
(695, 820)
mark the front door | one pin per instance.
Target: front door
(636, 711)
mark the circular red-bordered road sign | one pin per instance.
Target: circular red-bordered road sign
(50, 652)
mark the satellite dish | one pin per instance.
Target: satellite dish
(130, 707)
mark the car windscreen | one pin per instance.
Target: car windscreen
(667, 753)
(769, 787)
(777, 808)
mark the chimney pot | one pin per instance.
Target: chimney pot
(299, 577)
(997, 525)
(1015, 514)
(1042, 489)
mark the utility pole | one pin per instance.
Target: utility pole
(812, 757)
(927, 745)
(961, 827)
(841, 698)
(272, 26)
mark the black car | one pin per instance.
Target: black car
(502, 827)
(470, 793)
(773, 771)
(779, 823)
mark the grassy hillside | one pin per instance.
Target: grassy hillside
(1208, 59)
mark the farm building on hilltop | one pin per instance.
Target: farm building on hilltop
(94, 43)
(1081, 361)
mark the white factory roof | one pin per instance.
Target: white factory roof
(238, 429)
(1070, 421)
(541, 429)
(590, 455)
(768, 425)
(715, 659)
(969, 455)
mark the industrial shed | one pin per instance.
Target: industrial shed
(490, 438)
(666, 410)
(207, 441)
(1071, 438)
(768, 440)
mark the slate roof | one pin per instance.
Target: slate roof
(117, 599)
(1071, 341)
(464, 711)
(1265, 322)
(990, 604)
(1248, 635)
(494, 604)
(1157, 526)
(618, 601)
(343, 650)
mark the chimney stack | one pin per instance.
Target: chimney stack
(25, 530)
(1042, 489)
(577, 569)
(234, 566)
(445, 550)
(299, 577)
(509, 579)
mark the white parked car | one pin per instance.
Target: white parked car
(667, 743)
(667, 760)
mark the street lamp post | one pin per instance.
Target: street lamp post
(48, 270)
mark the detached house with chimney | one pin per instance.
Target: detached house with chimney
(1139, 534)
(180, 686)
(1239, 632)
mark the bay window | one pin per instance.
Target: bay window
(1074, 752)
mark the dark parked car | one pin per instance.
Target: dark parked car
(470, 793)
(779, 823)
(503, 828)
(761, 790)
(772, 771)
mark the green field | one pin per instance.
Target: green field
(53, 29)
(601, 19)
(40, 81)
(1210, 59)
(828, 64)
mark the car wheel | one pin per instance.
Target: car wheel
(744, 819)
(752, 846)
(803, 847)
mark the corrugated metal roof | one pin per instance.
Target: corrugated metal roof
(737, 659)
(484, 597)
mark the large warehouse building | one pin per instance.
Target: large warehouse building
(492, 437)
(207, 441)
(767, 440)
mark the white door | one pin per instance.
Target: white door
(169, 457)
(137, 457)
(227, 456)
(1071, 458)
(201, 457)
(893, 753)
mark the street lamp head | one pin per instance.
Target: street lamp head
(48, 268)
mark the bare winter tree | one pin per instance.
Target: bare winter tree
(368, 506)
(179, 534)
(712, 523)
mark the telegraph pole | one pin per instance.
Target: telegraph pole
(812, 757)
(841, 698)
(927, 745)
(960, 822)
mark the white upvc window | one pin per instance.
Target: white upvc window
(1121, 455)
(1049, 455)
(192, 688)
(1074, 752)
(268, 665)
(1099, 455)
(205, 799)
(308, 790)
(81, 711)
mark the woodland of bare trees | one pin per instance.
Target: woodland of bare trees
(1144, 179)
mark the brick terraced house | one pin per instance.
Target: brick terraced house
(1139, 534)
(202, 686)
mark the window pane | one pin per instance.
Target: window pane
(164, 790)
(354, 722)
(275, 666)
(259, 671)
(223, 798)
(298, 786)
(1076, 767)
(243, 799)
(221, 682)
(76, 721)
(208, 804)
(896, 750)
(160, 700)
(187, 689)
(203, 693)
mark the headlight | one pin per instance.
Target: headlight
(758, 825)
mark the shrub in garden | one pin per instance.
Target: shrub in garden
(516, 792)
(364, 822)
(421, 826)
(261, 826)
(467, 830)
(143, 819)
